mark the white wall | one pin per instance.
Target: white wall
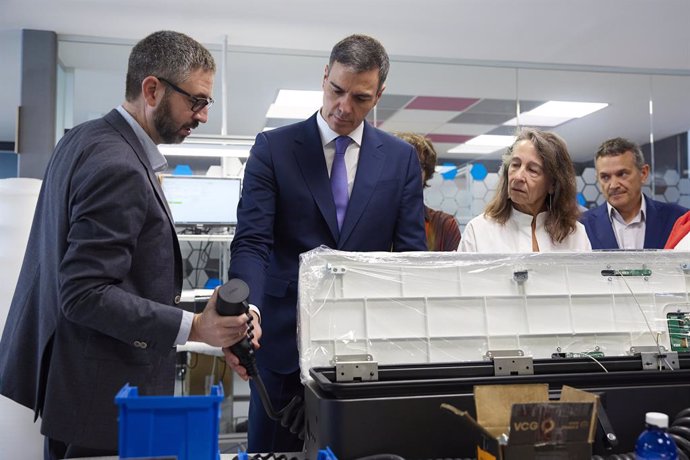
(10, 56)
(19, 436)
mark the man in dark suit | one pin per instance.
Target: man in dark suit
(289, 206)
(629, 219)
(95, 303)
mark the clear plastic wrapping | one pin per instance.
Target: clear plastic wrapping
(433, 307)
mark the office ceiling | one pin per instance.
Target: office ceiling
(458, 65)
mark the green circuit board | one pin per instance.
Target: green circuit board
(627, 272)
(679, 331)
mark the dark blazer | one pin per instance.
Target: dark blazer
(659, 221)
(92, 307)
(287, 208)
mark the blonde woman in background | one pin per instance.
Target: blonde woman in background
(535, 207)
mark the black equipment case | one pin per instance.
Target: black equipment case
(385, 339)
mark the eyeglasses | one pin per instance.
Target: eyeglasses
(198, 103)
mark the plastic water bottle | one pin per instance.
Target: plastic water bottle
(655, 443)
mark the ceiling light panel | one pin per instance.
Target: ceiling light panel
(295, 104)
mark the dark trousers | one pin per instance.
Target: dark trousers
(57, 450)
(265, 435)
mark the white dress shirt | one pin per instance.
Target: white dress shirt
(483, 234)
(683, 244)
(629, 235)
(351, 154)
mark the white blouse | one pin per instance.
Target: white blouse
(684, 244)
(483, 234)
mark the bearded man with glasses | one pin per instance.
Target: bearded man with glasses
(96, 303)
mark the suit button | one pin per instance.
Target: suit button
(143, 345)
(177, 299)
(137, 344)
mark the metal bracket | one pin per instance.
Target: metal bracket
(351, 368)
(653, 360)
(510, 362)
(336, 269)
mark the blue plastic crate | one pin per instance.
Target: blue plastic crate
(181, 426)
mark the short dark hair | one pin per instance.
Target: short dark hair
(165, 54)
(425, 151)
(618, 146)
(361, 53)
(561, 219)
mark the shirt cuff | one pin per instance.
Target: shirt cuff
(185, 327)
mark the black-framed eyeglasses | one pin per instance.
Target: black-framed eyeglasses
(198, 103)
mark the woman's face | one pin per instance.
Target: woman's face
(528, 182)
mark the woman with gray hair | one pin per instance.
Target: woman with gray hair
(535, 208)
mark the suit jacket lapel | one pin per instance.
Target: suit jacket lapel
(121, 125)
(604, 227)
(369, 167)
(651, 237)
(308, 153)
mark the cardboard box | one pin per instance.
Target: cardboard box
(519, 422)
(207, 370)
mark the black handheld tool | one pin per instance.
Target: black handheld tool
(232, 301)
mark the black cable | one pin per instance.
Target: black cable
(682, 421)
(270, 456)
(680, 432)
(232, 301)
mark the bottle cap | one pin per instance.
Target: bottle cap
(656, 419)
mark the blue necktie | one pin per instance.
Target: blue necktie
(339, 178)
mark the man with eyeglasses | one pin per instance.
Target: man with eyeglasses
(95, 305)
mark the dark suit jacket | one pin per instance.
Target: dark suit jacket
(287, 208)
(659, 221)
(92, 307)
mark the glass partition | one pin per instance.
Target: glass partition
(451, 102)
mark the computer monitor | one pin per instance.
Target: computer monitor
(201, 200)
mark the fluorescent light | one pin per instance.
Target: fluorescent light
(527, 119)
(492, 140)
(567, 109)
(290, 112)
(199, 150)
(477, 149)
(297, 98)
(295, 104)
(484, 144)
(554, 113)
